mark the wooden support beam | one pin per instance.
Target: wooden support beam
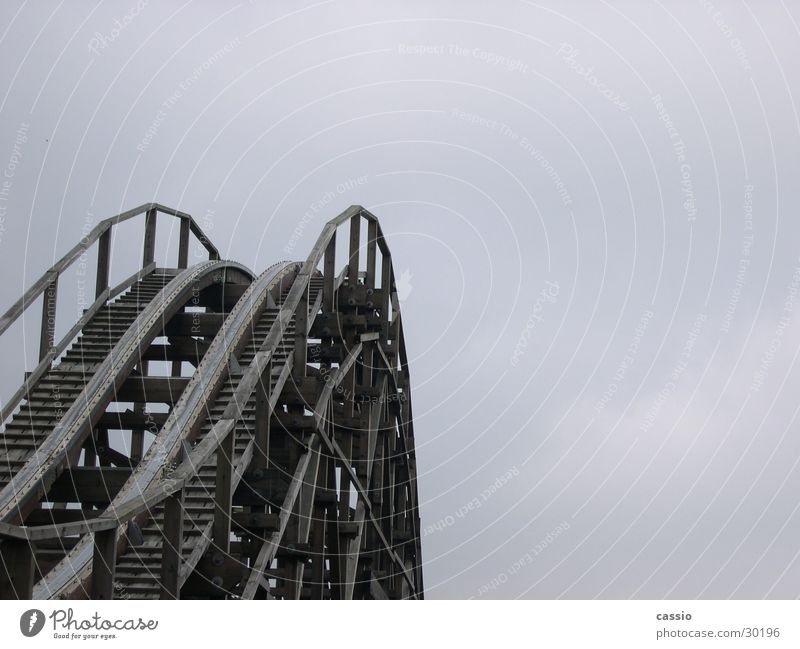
(183, 243)
(103, 262)
(171, 554)
(128, 419)
(300, 335)
(355, 244)
(48, 335)
(16, 569)
(145, 389)
(194, 324)
(223, 493)
(372, 242)
(149, 252)
(329, 274)
(263, 417)
(88, 484)
(104, 562)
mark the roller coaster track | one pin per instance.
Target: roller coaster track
(203, 432)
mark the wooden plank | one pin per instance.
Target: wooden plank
(48, 334)
(146, 389)
(103, 262)
(329, 273)
(223, 493)
(171, 555)
(90, 484)
(16, 569)
(300, 335)
(183, 243)
(149, 247)
(355, 244)
(104, 562)
(263, 418)
(372, 236)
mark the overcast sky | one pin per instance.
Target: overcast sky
(593, 212)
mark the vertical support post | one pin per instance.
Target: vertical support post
(300, 336)
(372, 241)
(16, 569)
(171, 555)
(48, 336)
(329, 275)
(103, 262)
(104, 564)
(223, 493)
(149, 253)
(386, 294)
(183, 244)
(355, 241)
(263, 416)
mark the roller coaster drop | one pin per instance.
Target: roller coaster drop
(265, 422)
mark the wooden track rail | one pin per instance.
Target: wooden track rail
(224, 436)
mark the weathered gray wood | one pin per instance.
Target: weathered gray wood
(223, 493)
(171, 555)
(103, 262)
(183, 243)
(329, 273)
(16, 569)
(355, 243)
(372, 239)
(263, 417)
(149, 247)
(104, 564)
(48, 335)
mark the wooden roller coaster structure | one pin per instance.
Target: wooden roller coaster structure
(203, 432)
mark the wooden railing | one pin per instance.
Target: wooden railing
(47, 285)
(220, 439)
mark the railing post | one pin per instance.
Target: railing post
(104, 564)
(355, 242)
(171, 555)
(49, 298)
(372, 241)
(16, 569)
(329, 271)
(183, 244)
(300, 338)
(223, 493)
(263, 416)
(103, 261)
(386, 287)
(149, 254)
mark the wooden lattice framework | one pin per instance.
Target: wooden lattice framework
(218, 434)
